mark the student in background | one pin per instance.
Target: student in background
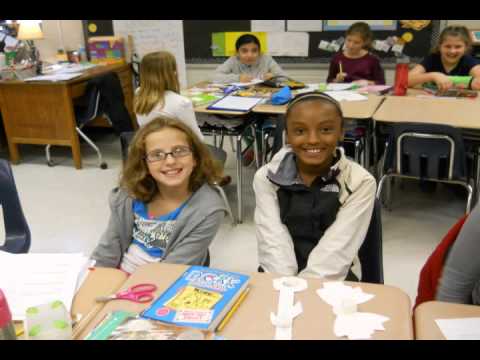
(313, 205)
(248, 64)
(355, 63)
(460, 280)
(165, 208)
(158, 95)
(449, 57)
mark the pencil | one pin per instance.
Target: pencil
(341, 69)
(233, 309)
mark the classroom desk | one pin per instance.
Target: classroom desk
(252, 319)
(42, 112)
(425, 315)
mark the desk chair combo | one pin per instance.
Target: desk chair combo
(429, 152)
(17, 232)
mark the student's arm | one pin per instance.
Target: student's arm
(108, 252)
(186, 113)
(224, 73)
(332, 257)
(275, 245)
(475, 73)
(418, 76)
(192, 249)
(462, 269)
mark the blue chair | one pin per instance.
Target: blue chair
(17, 239)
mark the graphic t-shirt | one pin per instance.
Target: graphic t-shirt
(150, 236)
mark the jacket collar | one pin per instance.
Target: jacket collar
(282, 170)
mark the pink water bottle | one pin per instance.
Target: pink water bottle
(7, 330)
(401, 77)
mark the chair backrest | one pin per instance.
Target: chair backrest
(371, 252)
(17, 239)
(89, 106)
(426, 151)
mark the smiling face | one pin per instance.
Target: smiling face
(248, 53)
(314, 129)
(170, 173)
(452, 49)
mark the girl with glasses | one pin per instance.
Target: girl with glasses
(165, 208)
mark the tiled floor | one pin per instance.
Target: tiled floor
(67, 211)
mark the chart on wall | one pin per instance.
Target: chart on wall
(336, 25)
(155, 35)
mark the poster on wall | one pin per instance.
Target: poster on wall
(339, 25)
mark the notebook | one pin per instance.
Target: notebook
(235, 103)
(200, 298)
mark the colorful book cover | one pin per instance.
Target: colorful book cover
(200, 298)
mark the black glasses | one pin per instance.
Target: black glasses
(159, 155)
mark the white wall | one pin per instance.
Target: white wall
(59, 34)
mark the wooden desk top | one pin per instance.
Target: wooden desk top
(351, 109)
(252, 320)
(86, 75)
(462, 113)
(425, 315)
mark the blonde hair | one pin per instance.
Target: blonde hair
(454, 31)
(135, 177)
(158, 73)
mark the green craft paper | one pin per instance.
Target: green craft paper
(218, 43)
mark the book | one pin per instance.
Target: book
(200, 298)
(235, 103)
(124, 325)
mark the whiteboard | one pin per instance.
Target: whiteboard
(155, 35)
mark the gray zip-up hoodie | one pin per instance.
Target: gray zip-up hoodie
(188, 244)
(231, 69)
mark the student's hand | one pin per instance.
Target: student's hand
(340, 77)
(442, 81)
(475, 84)
(245, 78)
(267, 76)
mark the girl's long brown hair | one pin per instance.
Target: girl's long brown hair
(363, 29)
(454, 31)
(135, 177)
(158, 73)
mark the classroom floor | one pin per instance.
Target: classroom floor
(67, 211)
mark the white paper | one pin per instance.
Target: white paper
(324, 45)
(55, 77)
(10, 41)
(359, 325)
(339, 86)
(398, 48)
(35, 279)
(155, 35)
(247, 84)
(268, 25)
(288, 44)
(346, 95)
(304, 25)
(460, 329)
(334, 292)
(235, 103)
(308, 88)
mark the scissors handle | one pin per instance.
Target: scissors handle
(143, 288)
(140, 293)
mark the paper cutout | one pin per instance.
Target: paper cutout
(287, 311)
(324, 45)
(288, 44)
(349, 322)
(415, 24)
(398, 48)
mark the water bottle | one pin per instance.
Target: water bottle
(7, 330)
(401, 77)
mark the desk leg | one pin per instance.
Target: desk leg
(77, 155)
(14, 154)
(239, 180)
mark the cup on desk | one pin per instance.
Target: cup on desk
(48, 322)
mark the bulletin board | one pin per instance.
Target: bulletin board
(198, 40)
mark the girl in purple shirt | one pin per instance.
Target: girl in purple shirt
(355, 63)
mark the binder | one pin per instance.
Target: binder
(235, 103)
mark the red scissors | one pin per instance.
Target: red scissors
(140, 293)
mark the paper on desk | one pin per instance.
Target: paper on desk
(339, 86)
(346, 95)
(34, 279)
(54, 77)
(358, 325)
(460, 329)
(247, 84)
(235, 103)
(334, 292)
